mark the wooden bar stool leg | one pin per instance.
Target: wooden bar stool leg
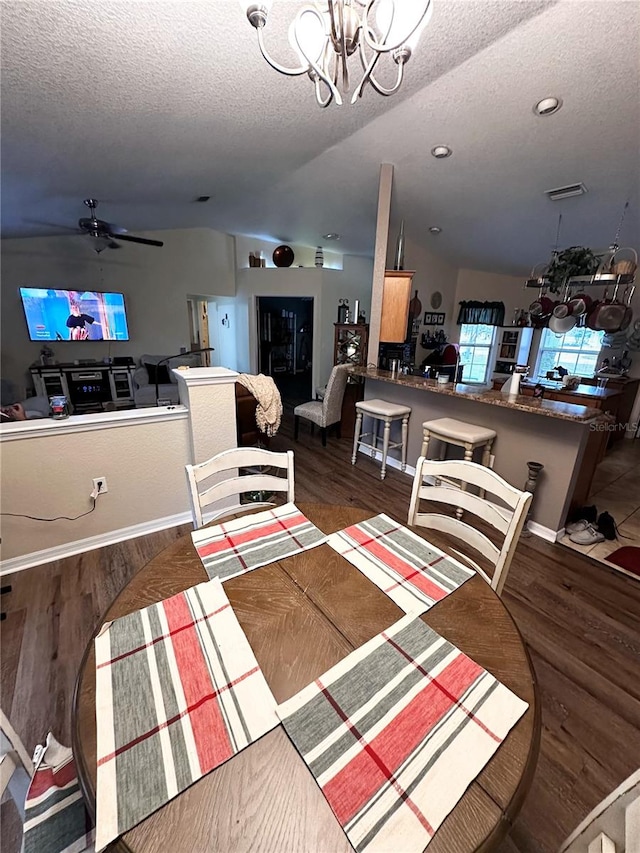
(374, 437)
(468, 457)
(385, 447)
(405, 433)
(425, 443)
(356, 437)
(486, 461)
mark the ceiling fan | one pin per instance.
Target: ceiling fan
(104, 233)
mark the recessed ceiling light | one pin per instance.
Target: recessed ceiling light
(331, 236)
(434, 229)
(441, 151)
(547, 106)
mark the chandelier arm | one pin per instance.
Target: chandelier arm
(322, 102)
(332, 21)
(381, 47)
(381, 89)
(314, 69)
(368, 70)
(290, 72)
(369, 78)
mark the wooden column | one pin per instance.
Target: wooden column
(379, 259)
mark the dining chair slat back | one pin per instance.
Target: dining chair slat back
(255, 459)
(16, 766)
(508, 520)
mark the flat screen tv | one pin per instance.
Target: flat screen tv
(74, 315)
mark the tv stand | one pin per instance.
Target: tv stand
(88, 386)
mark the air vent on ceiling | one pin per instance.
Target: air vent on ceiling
(566, 192)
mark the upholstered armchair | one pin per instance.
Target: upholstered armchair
(328, 411)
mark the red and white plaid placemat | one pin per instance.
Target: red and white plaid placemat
(396, 732)
(178, 692)
(411, 571)
(251, 541)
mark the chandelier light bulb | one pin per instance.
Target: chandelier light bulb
(401, 22)
(306, 36)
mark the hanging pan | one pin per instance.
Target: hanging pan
(562, 325)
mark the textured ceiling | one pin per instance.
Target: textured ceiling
(148, 104)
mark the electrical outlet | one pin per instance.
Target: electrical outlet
(100, 485)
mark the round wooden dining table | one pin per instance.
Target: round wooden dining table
(301, 616)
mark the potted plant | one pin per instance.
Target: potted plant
(574, 261)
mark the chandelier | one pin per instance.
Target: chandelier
(325, 35)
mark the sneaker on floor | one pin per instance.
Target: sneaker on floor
(585, 513)
(582, 524)
(588, 536)
(607, 526)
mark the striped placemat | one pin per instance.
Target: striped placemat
(178, 692)
(411, 571)
(246, 543)
(396, 732)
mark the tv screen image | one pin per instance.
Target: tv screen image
(74, 315)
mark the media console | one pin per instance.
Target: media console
(88, 385)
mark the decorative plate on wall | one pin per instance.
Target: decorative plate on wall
(436, 299)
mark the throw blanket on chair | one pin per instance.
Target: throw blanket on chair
(269, 410)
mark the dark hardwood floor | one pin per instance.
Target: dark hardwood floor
(579, 618)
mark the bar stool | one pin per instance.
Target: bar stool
(381, 410)
(462, 434)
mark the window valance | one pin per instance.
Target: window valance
(481, 313)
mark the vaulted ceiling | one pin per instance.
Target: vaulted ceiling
(146, 105)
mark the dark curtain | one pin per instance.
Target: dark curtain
(481, 313)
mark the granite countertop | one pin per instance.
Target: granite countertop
(480, 393)
(581, 391)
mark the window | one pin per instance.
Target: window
(577, 351)
(475, 349)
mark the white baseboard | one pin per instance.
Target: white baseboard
(392, 462)
(79, 546)
(546, 533)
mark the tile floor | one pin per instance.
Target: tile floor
(616, 489)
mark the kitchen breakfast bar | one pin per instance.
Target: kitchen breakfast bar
(567, 439)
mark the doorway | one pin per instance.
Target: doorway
(285, 344)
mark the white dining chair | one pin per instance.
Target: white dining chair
(258, 478)
(16, 766)
(613, 826)
(507, 517)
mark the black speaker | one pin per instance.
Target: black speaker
(122, 360)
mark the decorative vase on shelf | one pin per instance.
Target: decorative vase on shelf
(319, 257)
(399, 264)
(283, 256)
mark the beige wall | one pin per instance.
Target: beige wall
(50, 475)
(155, 282)
(490, 287)
(48, 466)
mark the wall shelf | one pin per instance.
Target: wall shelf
(597, 280)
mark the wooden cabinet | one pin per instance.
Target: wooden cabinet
(512, 347)
(396, 296)
(350, 344)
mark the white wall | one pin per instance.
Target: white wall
(155, 282)
(304, 256)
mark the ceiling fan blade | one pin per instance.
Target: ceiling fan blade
(58, 225)
(115, 229)
(142, 240)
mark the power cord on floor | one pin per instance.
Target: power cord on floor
(57, 518)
